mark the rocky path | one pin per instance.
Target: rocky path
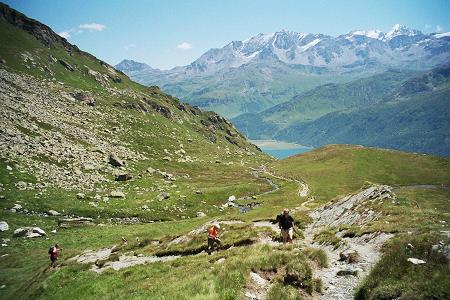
(348, 263)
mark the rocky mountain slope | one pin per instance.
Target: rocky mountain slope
(266, 69)
(72, 122)
(126, 179)
(395, 109)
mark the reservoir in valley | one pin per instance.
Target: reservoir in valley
(280, 149)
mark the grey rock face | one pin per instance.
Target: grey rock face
(115, 160)
(29, 232)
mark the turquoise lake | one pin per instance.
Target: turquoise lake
(279, 149)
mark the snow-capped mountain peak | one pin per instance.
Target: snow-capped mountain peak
(374, 34)
(398, 30)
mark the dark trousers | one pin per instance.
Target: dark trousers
(211, 243)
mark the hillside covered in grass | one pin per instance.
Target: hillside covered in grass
(127, 179)
(403, 110)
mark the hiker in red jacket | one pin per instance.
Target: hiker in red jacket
(213, 237)
(54, 254)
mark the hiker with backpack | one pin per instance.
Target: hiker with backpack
(54, 253)
(286, 224)
(213, 237)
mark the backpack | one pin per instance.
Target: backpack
(50, 251)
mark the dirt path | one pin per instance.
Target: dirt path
(353, 259)
(339, 278)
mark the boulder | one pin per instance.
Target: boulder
(201, 214)
(123, 177)
(164, 195)
(151, 170)
(75, 222)
(115, 160)
(416, 261)
(84, 97)
(232, 198)
(21, 185)
(348, 271)
(52, 212)
(66, 65)
(4, 226)
(349, 256)
(16, 207)
(81, 196)
(29, 232)
(117, 194)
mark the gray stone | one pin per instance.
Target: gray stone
(164, 196)
(75, 222)
(21, 185)
(416, 261)
(4, 226)
(52, 212)
(81, 196)
(201, 214)
(29, 232)
(123, 177)
(117, 194)
(115, 160)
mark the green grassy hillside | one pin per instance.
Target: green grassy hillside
(79, 139)
(320, 101)
(391, 110)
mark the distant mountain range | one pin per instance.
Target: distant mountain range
(364, 87)
(403, 110)
(267, 69)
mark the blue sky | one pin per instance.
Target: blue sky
(170, 33)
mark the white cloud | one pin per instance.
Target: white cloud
(439, 28)
(64, 34)
(129, 46)
(185, 46)
(92, 27)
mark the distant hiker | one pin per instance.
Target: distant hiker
(213, 237)
(286, 224)
(54, 253)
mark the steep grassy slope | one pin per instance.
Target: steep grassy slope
(320, 101)
(387, 110)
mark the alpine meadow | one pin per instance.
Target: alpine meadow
(120, 179)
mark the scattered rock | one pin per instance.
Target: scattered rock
(349, 271)
(164, 195)
(75, 222)
(151, 170)
(52, 212)
(16, 207)
(123, 177)
(9, 168)
(349, 256)
(115, 160)
(232, 198)
(201, 214)
(21, 185)
(198, 192)
(84, 97)
(4, 226)
(81, 196)
(117, 194)
(66, 65)
(416, 261)
(29, 232)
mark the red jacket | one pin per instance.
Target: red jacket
(213, 232)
